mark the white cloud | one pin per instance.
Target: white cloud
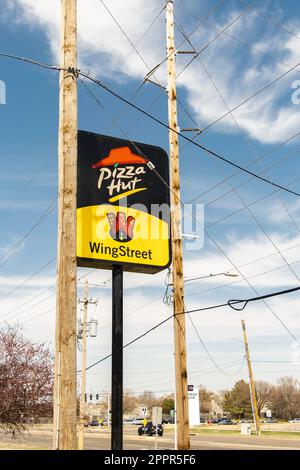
(102, 46)
(253, 256)
(268, 118)
(280, 215)
(155, 351)
(238, 72)
(14, 281)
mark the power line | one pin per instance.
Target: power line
(23, 189)
(239, 40)
(232, 115)
(158, 121)
(215, 243)
(213, 10)
(32, 298)
(42, 217)
(246, 206)
(193, 375)
(96, 81)
(245, 136)
(286, 141)
(124, 32)
(246, 100)
(184, 137)
(30, 61)
(229, 191)
(30, 306)
(151, 72)
(230, 303)
(205, 347)
(244, 303)
(28, 279)
(43, 300)
(277, 362)
(133, 341)
(205, 149)
(234, 189)
(222, 31)
(268, 19)
(254, 276)
(138, 309)
(39, 315)
(143, 35)
(134, 47)
(291, 68)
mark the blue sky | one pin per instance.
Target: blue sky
(28, 176)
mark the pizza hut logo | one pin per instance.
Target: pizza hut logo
(121, 228)
(122, 173)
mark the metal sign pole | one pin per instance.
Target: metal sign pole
(117, 360)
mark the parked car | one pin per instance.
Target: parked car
(225, 421)
(213, 421)
(105, 422)
(270, 420)
(95, 422)
(127, 421)
(295, 420)
(138, 421)
(167, 420)
(202, 420)
(150, 430)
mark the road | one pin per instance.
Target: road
(100, 440)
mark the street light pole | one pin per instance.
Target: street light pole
(208, 276)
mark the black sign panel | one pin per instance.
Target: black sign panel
(123, 214)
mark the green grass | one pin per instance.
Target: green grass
(274, 434)
(285, 434)
(19, 446)
(214, 431)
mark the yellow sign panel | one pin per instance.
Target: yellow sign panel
(123, 206)
(149, 244)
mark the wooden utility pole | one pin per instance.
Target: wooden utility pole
(65, 339)
(183, 436)
(251, 381)
(83, 364)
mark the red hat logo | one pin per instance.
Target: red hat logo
(121, 156)
(121, 229)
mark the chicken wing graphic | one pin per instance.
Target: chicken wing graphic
(121, 228)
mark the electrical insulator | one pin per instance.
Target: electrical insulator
(79, 329)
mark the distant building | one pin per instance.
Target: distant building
(216, 409)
